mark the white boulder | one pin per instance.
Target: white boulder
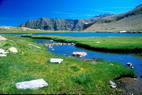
(112, 85)
(13, 50)
(123, 31)
(56, 60)
(79, 54)
(33, 84)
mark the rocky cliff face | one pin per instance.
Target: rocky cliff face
(60, 24)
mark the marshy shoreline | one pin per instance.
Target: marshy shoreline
(135, 50)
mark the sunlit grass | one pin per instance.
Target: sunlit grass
(70, 77)
(131, 44)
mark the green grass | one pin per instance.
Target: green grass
(117, 44)
(70, 77)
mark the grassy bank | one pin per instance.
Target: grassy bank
(114, 44)
(70, 77)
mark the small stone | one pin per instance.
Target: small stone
(33, 84)
(2, 51)
(135, 79)
(53, 49)
(130, 65)
(56, 60)
(98, 42)
(35, 46)
(13, 50)
(3, 55)
(123, 31)
(112, 85)
(111, 64)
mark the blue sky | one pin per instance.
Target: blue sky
(15, 12)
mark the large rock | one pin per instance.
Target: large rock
(79, 54)
(56, 60)
(33, 84)
(13, 50)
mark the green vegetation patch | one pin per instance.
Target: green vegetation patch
(72, 76)
(117, 44)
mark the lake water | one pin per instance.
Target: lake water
(86, 34)
(67, 50)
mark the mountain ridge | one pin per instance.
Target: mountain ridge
(128, 21)
(60, 24)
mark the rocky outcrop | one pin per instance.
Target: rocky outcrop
(60, 24)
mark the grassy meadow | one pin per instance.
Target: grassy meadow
(115, 44)
(70, 77)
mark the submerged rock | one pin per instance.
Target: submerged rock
(56, 60)
(33, 84)
(130, 65)
(79, 54)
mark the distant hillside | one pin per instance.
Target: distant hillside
(61, 24)
(130, 21)
(89, 20)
